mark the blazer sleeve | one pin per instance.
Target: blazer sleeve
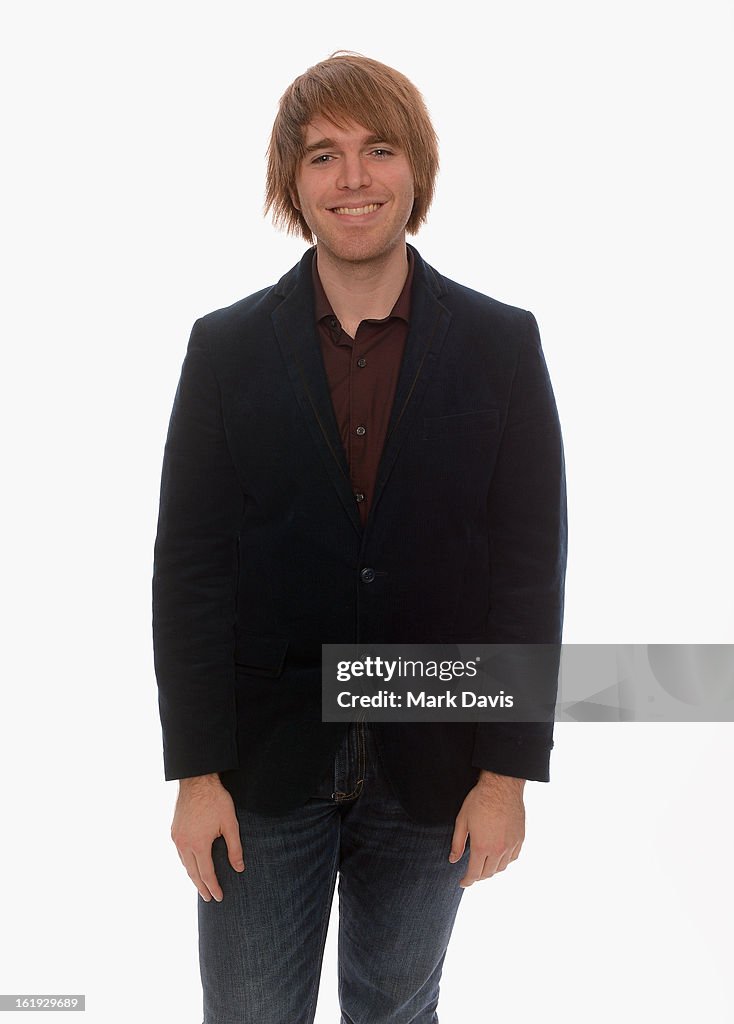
(528, 545)
(195, 576)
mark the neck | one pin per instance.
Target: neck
(363, 290)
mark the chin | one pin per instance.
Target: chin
(357, 250)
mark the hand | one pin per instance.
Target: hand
(493, 814)
(204, 810)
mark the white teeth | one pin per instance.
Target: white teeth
(359, 211)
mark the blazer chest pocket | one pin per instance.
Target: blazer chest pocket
(260, 655)
(462, 424)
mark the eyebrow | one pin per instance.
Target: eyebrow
(369, 140)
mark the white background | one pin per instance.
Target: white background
(586, 175)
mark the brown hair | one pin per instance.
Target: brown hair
(350, 88)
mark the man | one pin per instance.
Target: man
(365, 452)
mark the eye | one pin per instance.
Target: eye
(322, 158)
(382, 152)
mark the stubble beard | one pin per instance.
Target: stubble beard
(359, 252)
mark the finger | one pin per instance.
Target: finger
(516, 851)
(473, 870)
(189, 862)
(507, 857)
(208, 875)
(458, 842)
(500, 865)
(231, 834)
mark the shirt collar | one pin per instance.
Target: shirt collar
(400, 309)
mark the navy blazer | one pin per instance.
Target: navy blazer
(260, 556)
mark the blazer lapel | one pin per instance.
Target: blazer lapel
(429, 322)
(295, 329)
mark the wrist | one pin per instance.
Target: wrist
(200, 781)
(492, 780)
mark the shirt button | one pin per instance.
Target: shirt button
(361, 430)
(367, 575)
(362, 362)
(359, 496)
(333, 322)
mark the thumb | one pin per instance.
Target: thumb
(231, 834)
(458, 842)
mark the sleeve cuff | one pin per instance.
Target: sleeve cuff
(521, 760)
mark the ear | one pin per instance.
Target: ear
(294, 199)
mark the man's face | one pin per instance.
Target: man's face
(355, 191)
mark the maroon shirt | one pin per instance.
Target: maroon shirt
(363, 373)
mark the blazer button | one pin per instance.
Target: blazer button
(367, 575)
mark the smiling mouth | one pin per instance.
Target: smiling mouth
(357, 211)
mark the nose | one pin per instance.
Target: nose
(353, 172)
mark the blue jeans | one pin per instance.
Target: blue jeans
(262, 947)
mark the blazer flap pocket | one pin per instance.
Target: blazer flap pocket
(461, 424)
(260, 655)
